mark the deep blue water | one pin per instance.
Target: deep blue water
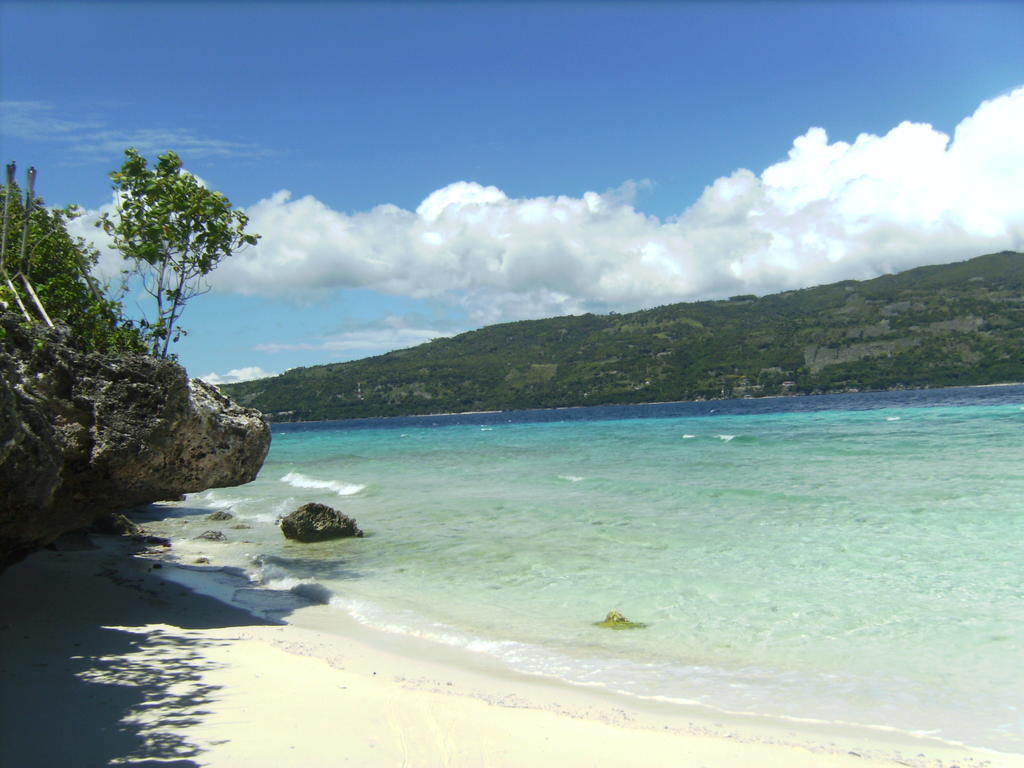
(854, 401)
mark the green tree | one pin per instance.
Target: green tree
(173, 231)
(59, 269)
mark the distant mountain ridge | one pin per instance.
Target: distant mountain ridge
(945, 325)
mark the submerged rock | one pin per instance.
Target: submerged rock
(84, 434)
(615, 620)
(212, 536)
(220, 515)
(318, 522)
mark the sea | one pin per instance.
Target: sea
(853, 558)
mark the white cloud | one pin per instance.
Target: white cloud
(467, 244)
(108, 268)
(37, 120)
(236, 375)
(829, 211)
(392, 333)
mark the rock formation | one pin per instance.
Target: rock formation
(318, 522)
(85, 434)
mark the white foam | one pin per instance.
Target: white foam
(277, 511)
(263, 517)
(211, 501)
(298, 480)
(570, 478)
(271, 574)
(409, 624)
(688, 437)
(725, 438)
(892, 418)
(226, 503)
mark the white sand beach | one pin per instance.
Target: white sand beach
(104, 662)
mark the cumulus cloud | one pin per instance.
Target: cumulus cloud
(236, 375)
(108, 268)
(828, 211)
(466, 243)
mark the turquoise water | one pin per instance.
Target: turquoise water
(859, 562)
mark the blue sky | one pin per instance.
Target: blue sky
(420, 169)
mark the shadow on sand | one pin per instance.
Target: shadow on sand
(83, 680)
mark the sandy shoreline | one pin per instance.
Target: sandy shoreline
(103, 662)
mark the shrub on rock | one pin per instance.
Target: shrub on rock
(318, 522)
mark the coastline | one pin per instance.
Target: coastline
(773, 396)
(132, 666)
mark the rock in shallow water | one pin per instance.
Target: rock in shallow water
(615, 620)
(212, 536)
(318, 522)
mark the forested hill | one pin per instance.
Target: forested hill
(946, 325)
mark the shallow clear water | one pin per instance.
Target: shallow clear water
(853, 558)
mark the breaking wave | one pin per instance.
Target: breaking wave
(298, 480)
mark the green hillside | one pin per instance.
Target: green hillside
(934, 326)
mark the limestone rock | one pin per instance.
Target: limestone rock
(318, 522)
(84, 434)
